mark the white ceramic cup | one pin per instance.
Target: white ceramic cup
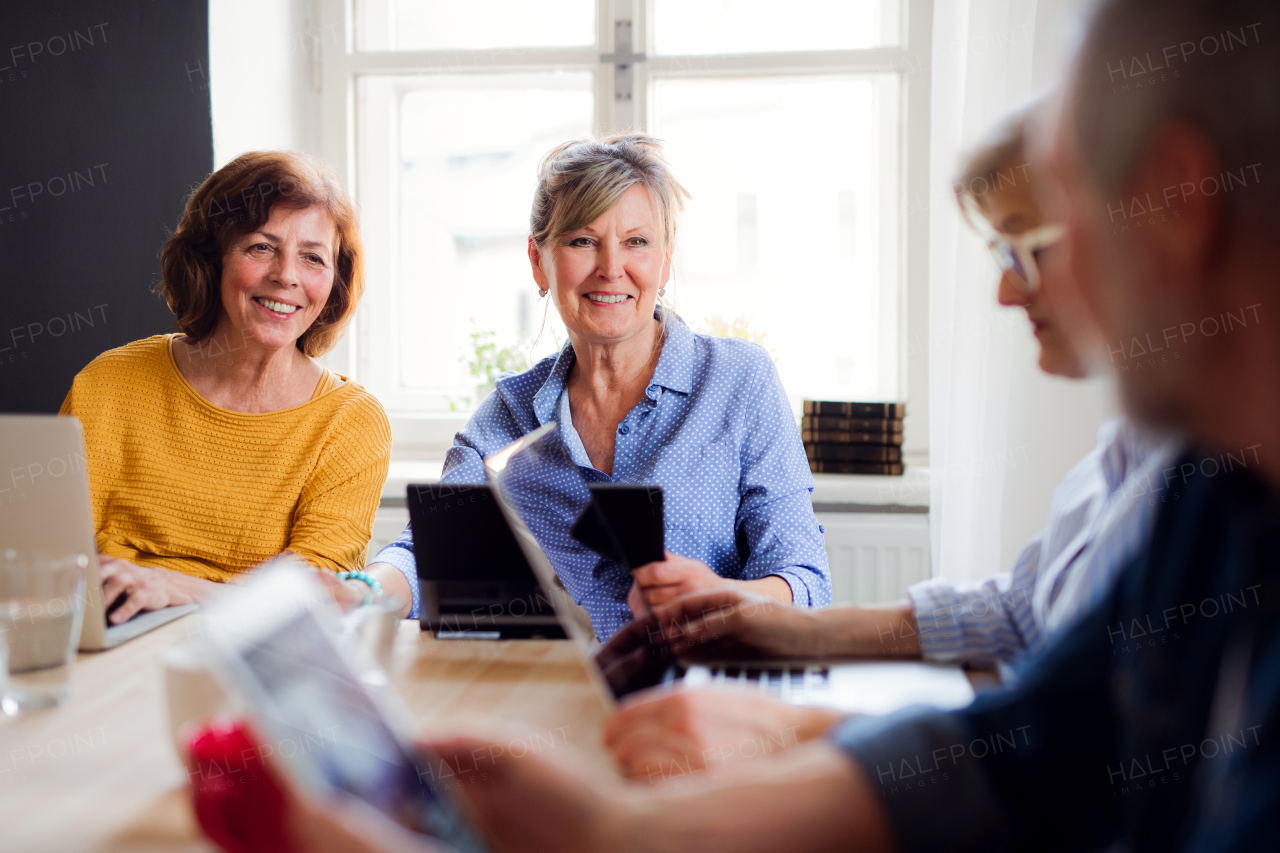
(192, 692)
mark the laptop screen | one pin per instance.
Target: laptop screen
(542, 493)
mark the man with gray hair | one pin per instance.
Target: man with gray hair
(1151, 723)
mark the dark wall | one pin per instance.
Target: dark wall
(104, 129)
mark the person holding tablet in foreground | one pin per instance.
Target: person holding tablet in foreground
(1101, 515)
(641, 399)
(215, 449)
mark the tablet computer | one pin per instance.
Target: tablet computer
(334, 733)
(623, 523)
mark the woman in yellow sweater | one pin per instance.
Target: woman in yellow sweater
(217, 448)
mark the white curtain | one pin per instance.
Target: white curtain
(982, 68)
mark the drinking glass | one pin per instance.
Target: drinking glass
(41, 605)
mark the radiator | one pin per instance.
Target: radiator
(875, 556)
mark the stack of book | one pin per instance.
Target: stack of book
(853, 438)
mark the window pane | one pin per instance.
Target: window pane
(767, 26)
(792, 232)
(454, 25)
(454, 161)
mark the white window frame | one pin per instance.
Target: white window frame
(339, 64)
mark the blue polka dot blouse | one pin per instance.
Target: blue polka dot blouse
(714, 430)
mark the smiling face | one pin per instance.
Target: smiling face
(276, 280)
(605, 276)
(1012, 211)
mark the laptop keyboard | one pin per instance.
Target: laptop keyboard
(783, 683)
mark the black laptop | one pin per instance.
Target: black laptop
(474, 579)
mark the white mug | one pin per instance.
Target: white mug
(192, 692)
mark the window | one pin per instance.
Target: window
(800, 131)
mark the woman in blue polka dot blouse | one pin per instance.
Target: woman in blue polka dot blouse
(640, 398)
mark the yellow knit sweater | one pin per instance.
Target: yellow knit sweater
(180, 483)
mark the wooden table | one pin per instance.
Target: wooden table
(100, 772)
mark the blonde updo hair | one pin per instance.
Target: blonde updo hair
(581, 180)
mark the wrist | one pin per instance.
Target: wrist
(187, 589)
(887, 631)
(354, 592)
(368, 587)
(825, 634)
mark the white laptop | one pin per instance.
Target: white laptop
(45, 507)
(866, 687)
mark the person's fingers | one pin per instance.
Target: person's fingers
(636, 601)
(682, 711)
(324, 577)
(454, 754)
(705, 647)
(667, 734)
(711, 639)
(643, 709)
(719, 601)
(648, 565)
(130, 608)
(658, 595)
(556, 800)
(639, 635)
(642, 667)
(632, 635)
(668, 572)
(692, 730)
(656, 755)
(112, 587)
(457, 751)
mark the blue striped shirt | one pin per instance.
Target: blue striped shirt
(715, 430)
(1102, 514)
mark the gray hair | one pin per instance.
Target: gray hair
(579, 181)
(1203, 61)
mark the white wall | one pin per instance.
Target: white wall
(1053, 422)
(260, 76)
(264, 87)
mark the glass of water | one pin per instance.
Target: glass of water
(41, 605)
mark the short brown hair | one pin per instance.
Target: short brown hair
(237, 200)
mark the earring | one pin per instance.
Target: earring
(542, 293)
(662, 291)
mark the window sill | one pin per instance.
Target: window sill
(868, 493)
(832, 492)
(415, 438)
